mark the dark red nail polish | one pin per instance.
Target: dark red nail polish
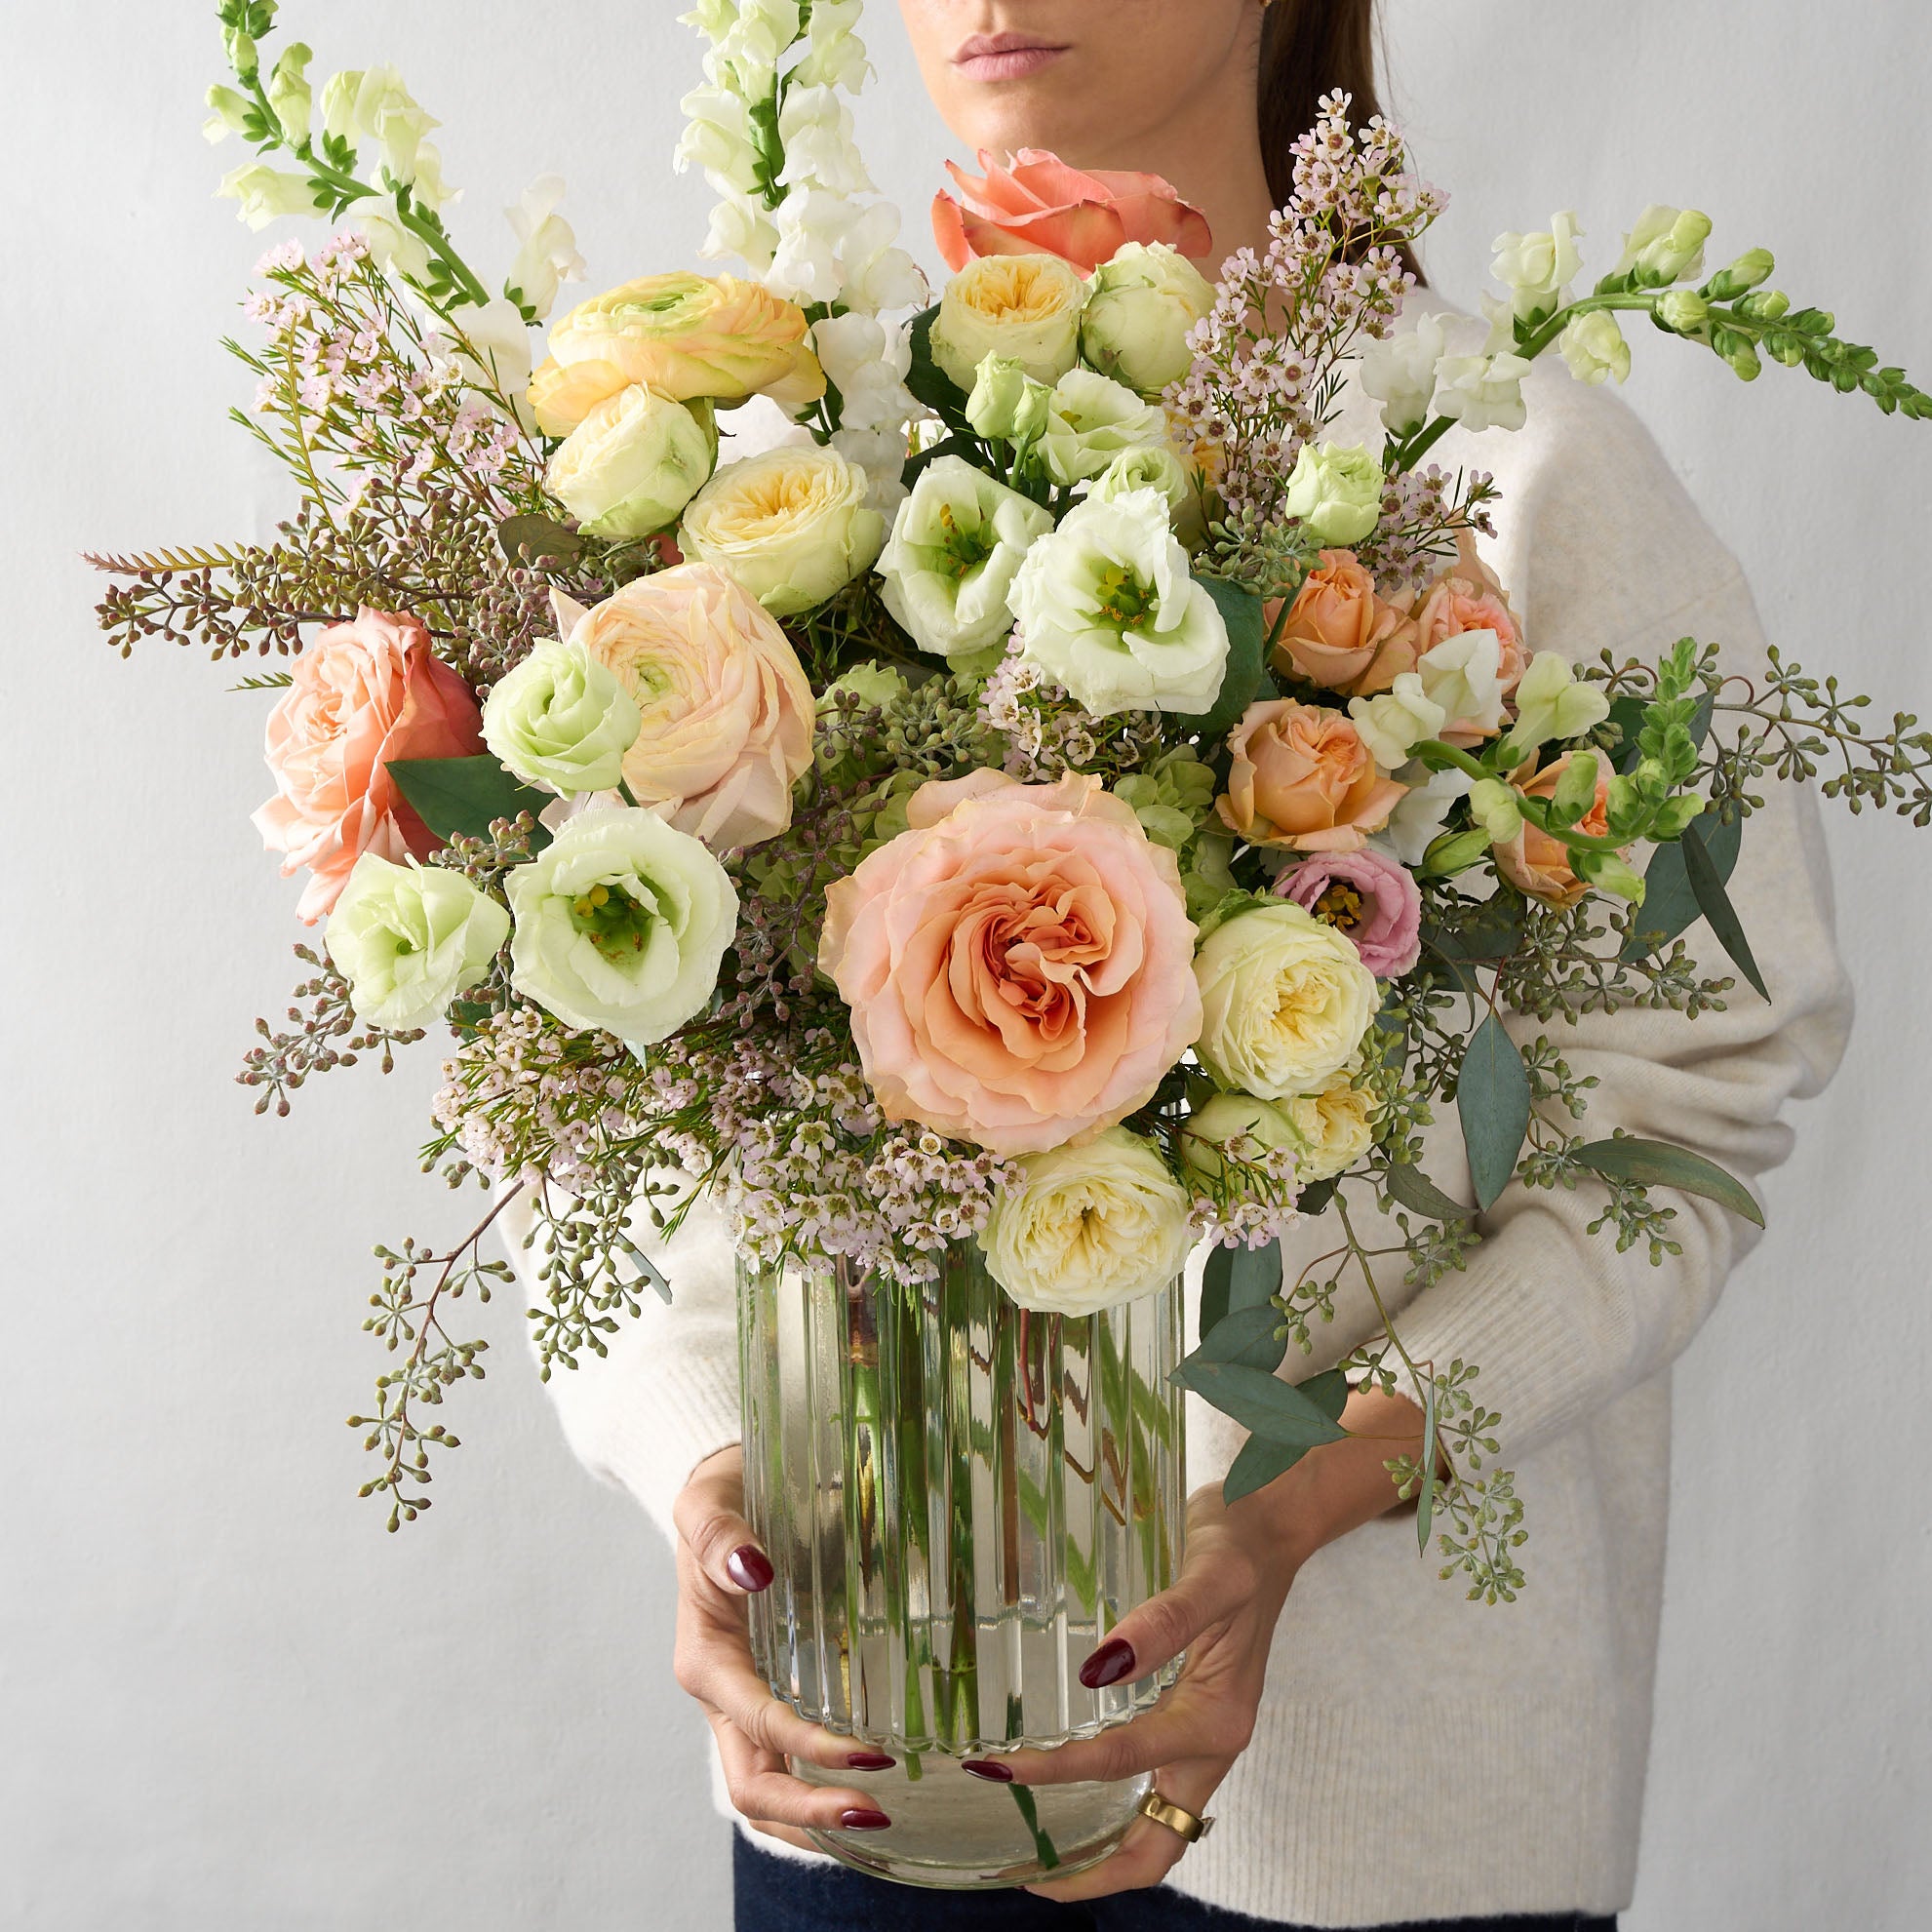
(989, 1768)
(749, 1568)
(1112, 1662)
(871, 1760)
(864, 1820)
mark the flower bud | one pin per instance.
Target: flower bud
(1455, 852)
(1006, 404)
(1766, 305)
(1494, 808)
(1749, 269)
(1576, 789)
(1683, 311)
(1143, 306)
(1335, 491)
(240, 49)
(1610, 872)
(289, 92)
(1666, 245)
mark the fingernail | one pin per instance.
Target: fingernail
(1112, 1662)
(871, 1760)
(989, 1768)
(749, 1568)
(864, 1820)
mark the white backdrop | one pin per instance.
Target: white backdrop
(226, 1698)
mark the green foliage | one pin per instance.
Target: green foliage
(1237, 1278)
(468, 794)
(1492, 1101)
(1241, 610)
(1657, 1164)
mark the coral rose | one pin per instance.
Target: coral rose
(727, 710)
(1470, 597)
(1534, 862)
(1037, 204)
(363, 694)
(1338, 632)
(1303, 778)
(1019, 964)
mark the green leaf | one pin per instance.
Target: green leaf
(1259, 1463)
(956, 444)
(1240, 611)
(1668, 903)
(1315, 1197)
(1414, 1190)
(1492, 1098)
(527, 539)
(453, 795)
(1486, 930)
(1658, 1163)
(1257, 1338)
(927, 381)
(1264, 1404)
(1425, 1494)
(1237, 1278)
(1715, 904)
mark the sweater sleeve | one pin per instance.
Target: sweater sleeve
(666, 1394)
(1557, 1322)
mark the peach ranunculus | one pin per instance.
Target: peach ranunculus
(1303, 778)
(363, 694)
(1470, 597)
(1019, 964)
(1037, 205)
(1339, 633)
(727, 711)
(684, 336)
(1534, 862)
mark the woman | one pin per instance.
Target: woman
(1376, 1750)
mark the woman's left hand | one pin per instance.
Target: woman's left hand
(1222, 1610)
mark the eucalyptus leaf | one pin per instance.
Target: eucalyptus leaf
(1424, 1490)
(464, 795)
(1241, 610)
(1237, 1278)
(1317, 1195)
(1714, 902)
(1259, 1463)
(1492, 1099)
(1257, 1338)
(1263, 1403)
(527, 539)
(1414, 1190)
(1659, 1163)
(1668, 903)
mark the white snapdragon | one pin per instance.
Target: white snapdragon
(546, 247)
(1395, 720)
(1464, 676)
(373, 104)
(1538, 269)
(1593, 347)
(820, 149)
(866, 361)
(875, 273)
(717, 139)
(1483, 391)
(743, 230)
(835, 55)
(392, 244)
(289, 92)
(1400, 373)
(1666, 245)
(812, 222)
(494, 352)
(1418, 818)
(266, 193)
(1552, 702)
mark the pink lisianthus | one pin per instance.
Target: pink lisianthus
(1037, 204)
(1019, 964)
(1367, 895)
(363, 694)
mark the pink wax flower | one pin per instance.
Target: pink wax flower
(1037, 204)
(1367, 895)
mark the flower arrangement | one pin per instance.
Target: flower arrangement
(1050, 797)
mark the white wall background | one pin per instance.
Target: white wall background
(225, 1697)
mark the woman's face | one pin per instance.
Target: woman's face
(1097, 81)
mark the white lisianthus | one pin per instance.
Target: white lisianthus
(1538, 269)
(1424, 807)
(1396, 719)
(621, 922)
(1482, 392)
(633, 463)
(1593, 347)
(546, 247)
(1552, 702)
(1026, 306)
(409, 938)
(392, 244)
(1144, 304)
(955, 550)
(1463, 675)
(1335, 491)
(1400, 373)
(791, 526)
(1109, 610)
(1088, 1228)
(1666, 245)
(1286, 1001)
(1091, 420)
(562, 720)
(822, 150)
(266, 193)
(1151, 467)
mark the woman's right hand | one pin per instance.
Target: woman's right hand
(719, 1566)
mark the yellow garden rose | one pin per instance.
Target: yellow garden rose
(790, 524)
(1026, 307)
(1332, 1129)
(683, 335)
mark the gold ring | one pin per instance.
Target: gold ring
(1176, 1817)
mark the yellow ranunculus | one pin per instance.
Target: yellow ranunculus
(790, 524)
(1023, 306)
(685, 336)
(1088, 1227)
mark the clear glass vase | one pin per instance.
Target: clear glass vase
(959, 1499)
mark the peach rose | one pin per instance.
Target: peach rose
(1534, 862)
(363, 694)
(1303, 778)
(1037, 204)
(1470, 597)
(1339, 633)
(1019, 964)
(728, 711)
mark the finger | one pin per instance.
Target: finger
(766, 1793)
(1214, 1582)
(1150, 1850)
(722, 1543)
(722, 1679)
(1191, 1721)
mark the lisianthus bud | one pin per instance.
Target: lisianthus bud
(1006, 404)
(1336, 493)
(1145, 303)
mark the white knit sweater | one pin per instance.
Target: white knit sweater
(1416, 1756)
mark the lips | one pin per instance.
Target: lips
(1004, 56)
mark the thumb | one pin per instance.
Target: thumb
(1213, 1582)
(721, 1542)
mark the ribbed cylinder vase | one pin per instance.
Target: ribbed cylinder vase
(959, 1499)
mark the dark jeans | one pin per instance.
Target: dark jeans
(779, 1895)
